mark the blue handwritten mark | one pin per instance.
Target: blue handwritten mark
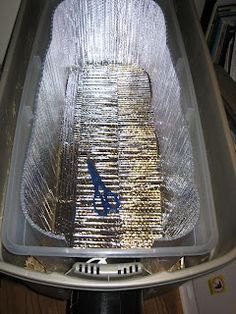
(103, 196)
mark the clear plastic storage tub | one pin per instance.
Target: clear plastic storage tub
(109, 56)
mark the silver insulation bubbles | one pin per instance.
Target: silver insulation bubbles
(109, 94)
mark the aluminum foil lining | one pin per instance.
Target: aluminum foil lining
(109, 93)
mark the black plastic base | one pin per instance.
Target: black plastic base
(119, 302)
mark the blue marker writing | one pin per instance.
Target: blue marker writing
(102, 194)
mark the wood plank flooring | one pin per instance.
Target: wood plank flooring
(15, 298)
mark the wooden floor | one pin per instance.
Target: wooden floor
(16, 298)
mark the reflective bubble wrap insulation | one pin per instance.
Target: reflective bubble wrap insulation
(110, 160)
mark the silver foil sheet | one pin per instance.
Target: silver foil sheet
(109, 93)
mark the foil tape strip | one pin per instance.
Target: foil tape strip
(115, 130)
